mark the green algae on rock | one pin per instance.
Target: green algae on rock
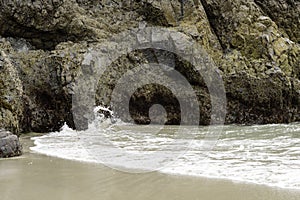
(254, 43)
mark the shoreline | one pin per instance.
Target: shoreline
(30, 143)
(35, 175)
(153, 185)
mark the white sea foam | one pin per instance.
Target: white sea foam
(268, 154)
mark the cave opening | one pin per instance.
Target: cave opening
(149, 96)
(144, 101)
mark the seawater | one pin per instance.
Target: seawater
(260, 154)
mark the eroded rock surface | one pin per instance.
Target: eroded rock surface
(44, 43)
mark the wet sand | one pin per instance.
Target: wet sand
(33, 176)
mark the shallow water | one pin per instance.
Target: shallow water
(35, 176)
(267, 155)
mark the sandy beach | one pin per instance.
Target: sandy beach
(33, 176)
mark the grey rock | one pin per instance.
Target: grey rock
(254, 43)
(9, 144)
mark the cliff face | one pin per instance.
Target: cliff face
(254, 44)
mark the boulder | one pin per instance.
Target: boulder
(9, 144)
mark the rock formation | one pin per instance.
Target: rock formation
(9, 145)
(254, 44)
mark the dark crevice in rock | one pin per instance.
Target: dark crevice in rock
(46, 40)
(45, 24)
(213, 21)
